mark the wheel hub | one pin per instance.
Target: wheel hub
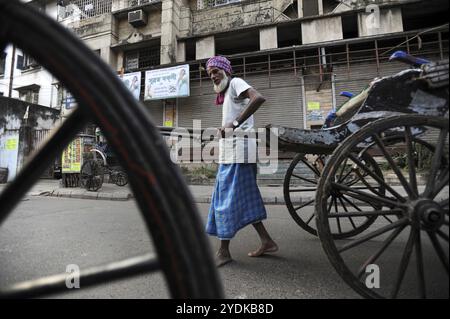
(428, 214)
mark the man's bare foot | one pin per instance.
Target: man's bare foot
(269, 247)
(223, 258)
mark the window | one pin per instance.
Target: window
(202, 4)
(142, 58)
(135, 3)
(2, 62)
(25, 62)
(30, 95)
(83, 9)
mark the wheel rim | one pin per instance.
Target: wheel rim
(183, 251)
(411, 246)
(304, 216)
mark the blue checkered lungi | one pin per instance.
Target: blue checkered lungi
(236, 201)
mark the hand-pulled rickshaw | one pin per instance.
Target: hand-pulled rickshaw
(360, 218)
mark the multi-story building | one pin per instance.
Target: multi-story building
(299, 53)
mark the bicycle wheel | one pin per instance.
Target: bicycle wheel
(183, 253)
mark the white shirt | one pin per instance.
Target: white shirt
(237, 149)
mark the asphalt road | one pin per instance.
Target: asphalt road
(44, 235)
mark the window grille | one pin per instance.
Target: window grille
(135, 3)
(142, 58)
(202, 4)
(83, 9)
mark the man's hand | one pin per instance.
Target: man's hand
(228, 127)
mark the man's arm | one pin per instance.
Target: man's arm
(256, 100)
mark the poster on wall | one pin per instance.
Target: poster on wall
(132, 82)
(167, 83)
(71, 157)
(314, 112)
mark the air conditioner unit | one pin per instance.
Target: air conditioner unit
(137, 18)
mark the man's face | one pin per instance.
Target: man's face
(219, 78)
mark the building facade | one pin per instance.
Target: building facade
(299, 53)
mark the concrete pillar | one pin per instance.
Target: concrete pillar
(169, 30)
(320, 7)
(322, 30)
(375, 22)
(181, 52)
(205, 48)
(268, 38)
(300, 8)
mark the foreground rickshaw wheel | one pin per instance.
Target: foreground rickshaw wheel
(181, 247)
(92, 175)
(300, 185)
(407, 255)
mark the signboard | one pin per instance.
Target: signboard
(132, 81)
(69, 101)
(167, 83)
(11, 144)
(71, 157)
(313, 106)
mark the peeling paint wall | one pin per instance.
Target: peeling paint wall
(15, 130)
(233, 16)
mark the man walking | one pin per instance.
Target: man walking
(236, 201)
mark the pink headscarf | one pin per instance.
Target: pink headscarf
(224, 64)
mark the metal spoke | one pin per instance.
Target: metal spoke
(377, 178)
(419, 264)
(304, 205)
(387, 218)
(385, 245)
(394, 166)
(404, 262)
(411, 162)
(89, 277)
(439, 251)
(369, 198)
(311, 167)
(14, 191)
(369, 187)
(436, 163)
(378, 232)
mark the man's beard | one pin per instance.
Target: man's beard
(219, 88)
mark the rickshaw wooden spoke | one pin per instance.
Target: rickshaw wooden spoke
(90, 277)
(411, 162)
(346, 211)
(394, 166)
(382, 249)
(366, 214)
(380, 181)
(368, 198)
(440, 186)
(436, 163)
(443, 235)
(420, 267)
(439, 250)
(404, 262)
(373, 234)
(305, 179)
(304, 205)
(39, 162)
